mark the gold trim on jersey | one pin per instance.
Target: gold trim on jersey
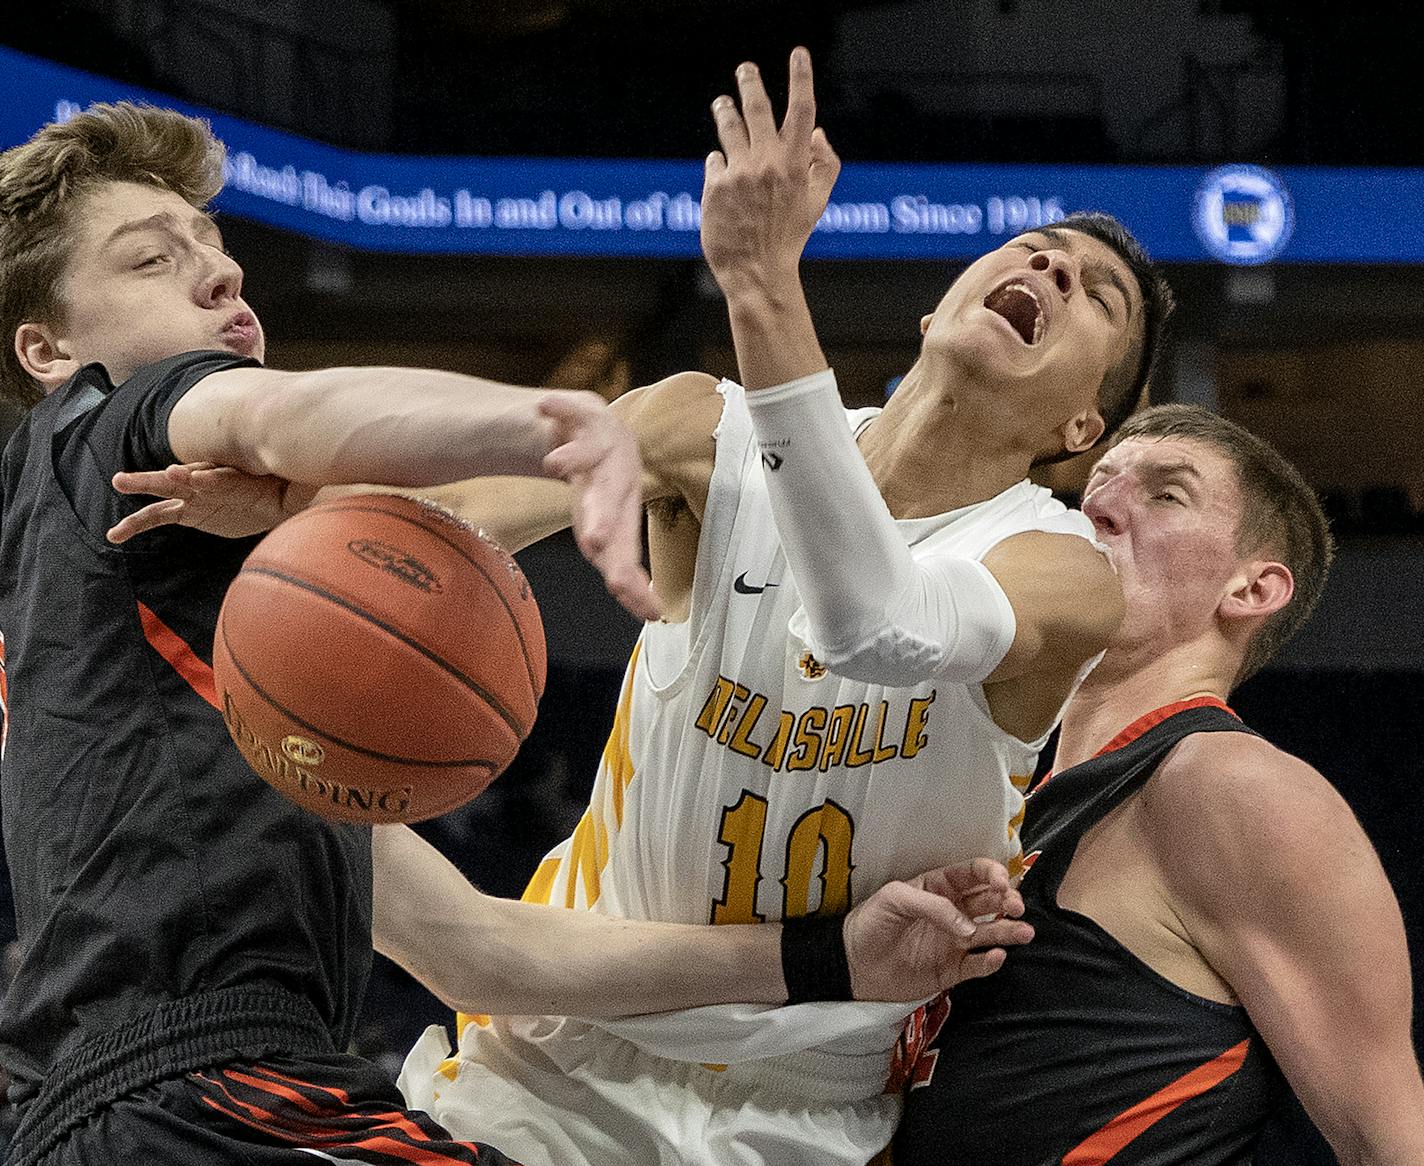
(588, 848)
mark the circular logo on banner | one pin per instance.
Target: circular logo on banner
(1243, 214)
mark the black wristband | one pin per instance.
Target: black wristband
(813, 959)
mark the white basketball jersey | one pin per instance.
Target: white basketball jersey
(743, 781)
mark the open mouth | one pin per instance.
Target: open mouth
(1018, 304)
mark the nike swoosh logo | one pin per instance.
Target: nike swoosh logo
(742, 587)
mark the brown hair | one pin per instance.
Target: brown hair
(41, 183)
(1280, 513)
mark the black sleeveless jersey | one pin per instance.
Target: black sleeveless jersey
(149, 863)
(1076, 1052)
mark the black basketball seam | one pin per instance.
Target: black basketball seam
(332, 737)
(354, 505)
(317, 590)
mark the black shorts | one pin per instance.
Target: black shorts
(280, 1112)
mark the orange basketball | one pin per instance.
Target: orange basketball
(378, 660)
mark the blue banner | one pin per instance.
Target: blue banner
(575, 206)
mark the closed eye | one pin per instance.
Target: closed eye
(153, 260)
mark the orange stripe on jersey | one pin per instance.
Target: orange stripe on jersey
(4, 695)
(1131, 1123)
(1157, 716)
(173, 648)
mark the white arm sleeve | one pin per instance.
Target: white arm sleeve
(872, 613)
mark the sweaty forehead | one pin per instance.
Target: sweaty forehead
(1196, 460)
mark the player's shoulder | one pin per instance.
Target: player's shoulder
(675, 421)
(1222, 803)
(1241, 769)
(675, 392)
(673, 412)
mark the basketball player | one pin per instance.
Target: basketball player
(1209, 916)
(874, 621)
(835, 697)
(195, 947)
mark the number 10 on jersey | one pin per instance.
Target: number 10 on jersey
(823, 832)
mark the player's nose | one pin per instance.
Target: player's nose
(221, 280)
(1059, 266)
(1101, 509)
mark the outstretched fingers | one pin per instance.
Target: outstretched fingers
(800, 121)
(731, 129)
(756, 106)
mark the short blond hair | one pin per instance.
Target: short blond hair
(42, 181)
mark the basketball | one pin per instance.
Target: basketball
(377, 660)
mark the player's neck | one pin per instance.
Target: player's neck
(1128, 684)
(929, 452)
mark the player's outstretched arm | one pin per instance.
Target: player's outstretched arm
(1281, 891)
(410, 427)
(481, 954)
(873, 614)
(761, 197)
(672, 422)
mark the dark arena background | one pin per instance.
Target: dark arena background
(1302, 318)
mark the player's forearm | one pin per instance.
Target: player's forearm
(482, 954)
(527, 959)
(515, 512)
(772, 332)
(402, 427)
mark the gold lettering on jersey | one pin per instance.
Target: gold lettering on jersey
(883, 752)
(741, 739)
(776, 751)
(818, 738)
(738, 702)
(915, 736)
(855, 755)
(711, 714)
(808, 739)
(837, 735)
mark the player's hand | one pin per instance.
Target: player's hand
(916, 938)
(217, 499)
(765, 189)
(597, 455)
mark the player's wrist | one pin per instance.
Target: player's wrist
(814, 959)
(760, 288)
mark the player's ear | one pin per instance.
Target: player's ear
(1082, 430)
(1259, 589)
(44, 355)
(925, 322)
